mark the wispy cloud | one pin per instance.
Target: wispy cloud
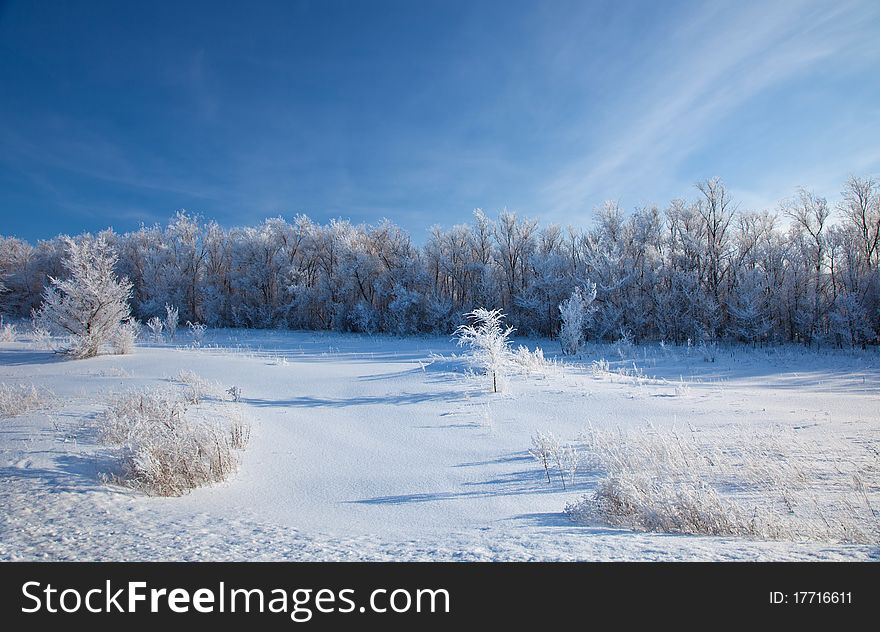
(712, 64)
(97, 157)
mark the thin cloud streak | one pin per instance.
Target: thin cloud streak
(718, 70)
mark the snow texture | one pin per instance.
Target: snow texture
(385, 448)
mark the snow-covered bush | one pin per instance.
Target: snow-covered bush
(850, 322)
(364, 318)
(7, 331)
(125, 337)
(197, 387)
(488, 341)
(172, 318)
(709, 351)
(41, 338)
(542, 451)
(128, 414)
(765, 484)
(156, 326)
(576, 312)
(167, 448)
(197, 331)
(530, 362)
(91, 304)
(624, 343)
(21, 399)
(600, 367)
(682, 388)
(654, 505)
(239, 431)
(567, 461)
(550, 453)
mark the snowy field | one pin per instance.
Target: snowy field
(383, 448)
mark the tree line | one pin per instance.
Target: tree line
(699, 269)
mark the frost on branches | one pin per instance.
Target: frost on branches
(90, 306)
(696, 269)
(576, 313)
(488, 340)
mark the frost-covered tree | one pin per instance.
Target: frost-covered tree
(25, 269)
(576, 312)
(172, 318)
(810, 213)
(861, 207)
(90, 306)
(849, 322)
(699, 270)
(488, 340)
(747, 309)
(716, 212)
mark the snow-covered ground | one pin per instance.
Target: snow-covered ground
(382, 448)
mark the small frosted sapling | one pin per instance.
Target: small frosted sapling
(197, 330)
(549, 452)
(541, 450)
(156, 326)
(235, 393)
(171, 320)
(488, 340)
(566, 459)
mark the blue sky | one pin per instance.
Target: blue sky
(117, 113)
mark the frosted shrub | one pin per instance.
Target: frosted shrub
(197, 331)
(364, 319)
(542, 451)
(529, 361)
(171, 320)
(41, 338)
(732, 481)
(178, 457)
(600, 367)
(156, 326)
(7, 332)
(682, 388)
(166, 448)
(655, 482)
(197, 387)
(131, 414)
(567, 461)
(235, 393)
(653, 505)
(576, 313)
(488, 341)
(708, 351)
(624, 343)
(91, 304)
(126, 335)
(550, 453)
(486, 419)
(21, 399)
(239, 432)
